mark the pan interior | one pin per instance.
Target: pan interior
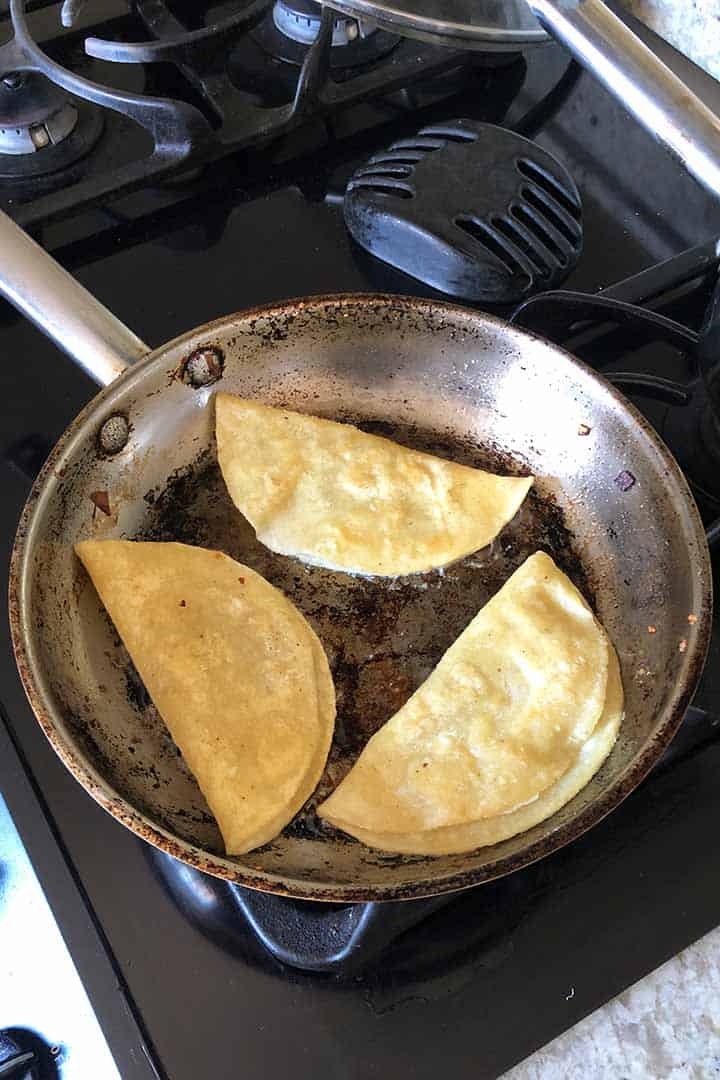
(434, 378)
(382, 637)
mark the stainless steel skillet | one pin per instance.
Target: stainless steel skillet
(610, 505)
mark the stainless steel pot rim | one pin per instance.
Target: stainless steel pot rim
(39, 693)
(445, 31)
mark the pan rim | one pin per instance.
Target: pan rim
(409, 22)
(99, 788)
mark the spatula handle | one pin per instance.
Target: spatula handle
(656, 97)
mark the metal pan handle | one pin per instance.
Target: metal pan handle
(62, 308)
(656, 97)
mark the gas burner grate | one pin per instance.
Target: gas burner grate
(689, 417)
(200, 85)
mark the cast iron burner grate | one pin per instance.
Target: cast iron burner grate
(198, 82)
(684, 361)
(345, 939)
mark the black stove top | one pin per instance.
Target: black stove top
(181, 983)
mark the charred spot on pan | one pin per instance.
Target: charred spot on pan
(87, 743)
(388, 858)
(378, 427)
(551, 534)
(276, 330)
(172, 512)
(345, 675)
(202, 367)
(135, 690)
(305, 826)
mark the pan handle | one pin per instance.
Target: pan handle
(656, 97)
(340, 938)
(62, 308)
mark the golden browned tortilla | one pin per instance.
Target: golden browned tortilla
(235, 671)
(455, 839)
(503, 730)
(335, 496)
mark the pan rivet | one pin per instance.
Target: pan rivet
(202, 367)
(114, 434)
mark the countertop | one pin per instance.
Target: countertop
(666, 1027)
(692, 26)
(39, 984)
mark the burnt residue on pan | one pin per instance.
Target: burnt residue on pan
(382, 636)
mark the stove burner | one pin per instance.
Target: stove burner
(42, 130)
(300, 21)
(34, 114)
(293, 25)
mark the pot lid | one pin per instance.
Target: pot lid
(468, 24)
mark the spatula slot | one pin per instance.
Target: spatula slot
(549, 185)
(536, 228)
(489, 239)
(456, 135)
(420, 148)
(384, 186)
(540, 202)
(516, 235)
(394, 170)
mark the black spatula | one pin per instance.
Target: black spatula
(471, 209)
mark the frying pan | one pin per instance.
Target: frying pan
(610, 504)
